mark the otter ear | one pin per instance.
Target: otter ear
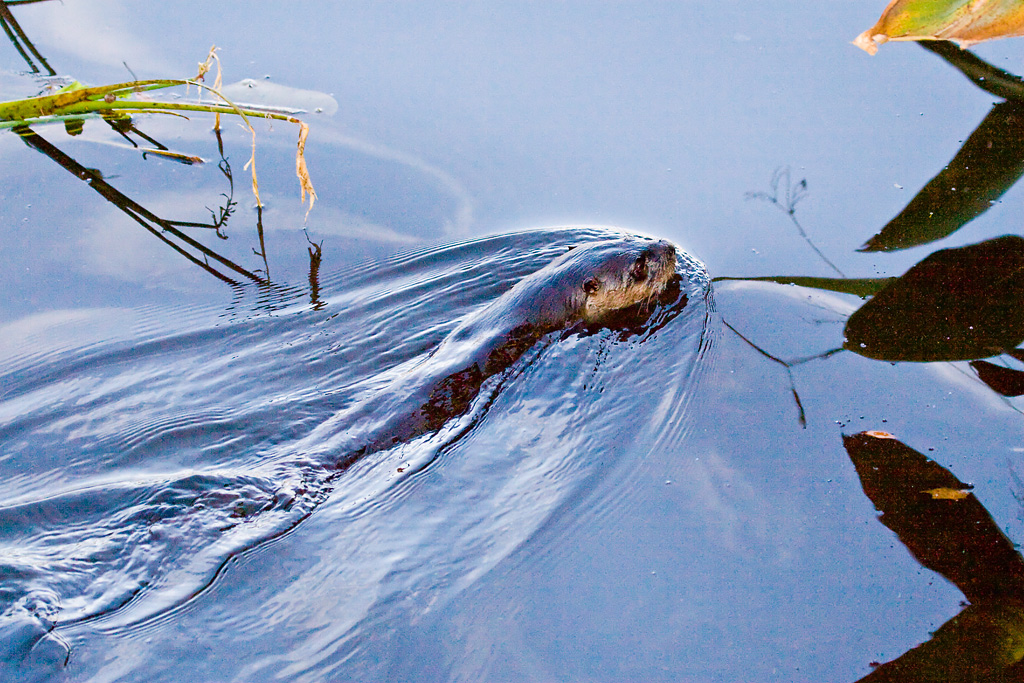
(591, 286)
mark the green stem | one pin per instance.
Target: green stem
(95, 101)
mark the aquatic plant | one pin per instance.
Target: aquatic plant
(117, 102)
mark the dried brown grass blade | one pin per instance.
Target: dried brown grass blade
(301, 170)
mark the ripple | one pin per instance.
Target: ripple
(147, 470)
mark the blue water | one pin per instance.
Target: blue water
(174, 462)
(648, 507)
(616, 506)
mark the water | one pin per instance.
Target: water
(173, 455)
(673, 505)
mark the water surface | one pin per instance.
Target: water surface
(675, 505)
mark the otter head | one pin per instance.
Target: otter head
(626, 273)
(620, 273)
(591, 284)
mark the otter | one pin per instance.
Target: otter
(588, 286)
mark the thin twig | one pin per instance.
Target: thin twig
(10, 25)
(263, 246)
(789, 372)
(793, 195)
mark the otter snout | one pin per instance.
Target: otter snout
(658, 262)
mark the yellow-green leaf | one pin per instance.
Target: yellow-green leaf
(963, 21)
(946, 493)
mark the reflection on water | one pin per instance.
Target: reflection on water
(137, 469)
(947, 530)
(957, 304)
(986, 167)
(33, 58)
(684, 519)
(167, 231)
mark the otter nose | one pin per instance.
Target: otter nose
(662, 250)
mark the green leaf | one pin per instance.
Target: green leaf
(77, 99)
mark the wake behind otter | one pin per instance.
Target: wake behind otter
(402, 402)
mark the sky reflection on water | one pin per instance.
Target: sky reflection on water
(746, 550)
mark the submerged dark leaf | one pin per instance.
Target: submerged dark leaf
(950, 534)
(957, 304)
(988, 164)
(948, 531)
(991, 79)
(982, 643)
(1002, 380)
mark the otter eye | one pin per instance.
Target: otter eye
(639, 270)
(591, 286)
